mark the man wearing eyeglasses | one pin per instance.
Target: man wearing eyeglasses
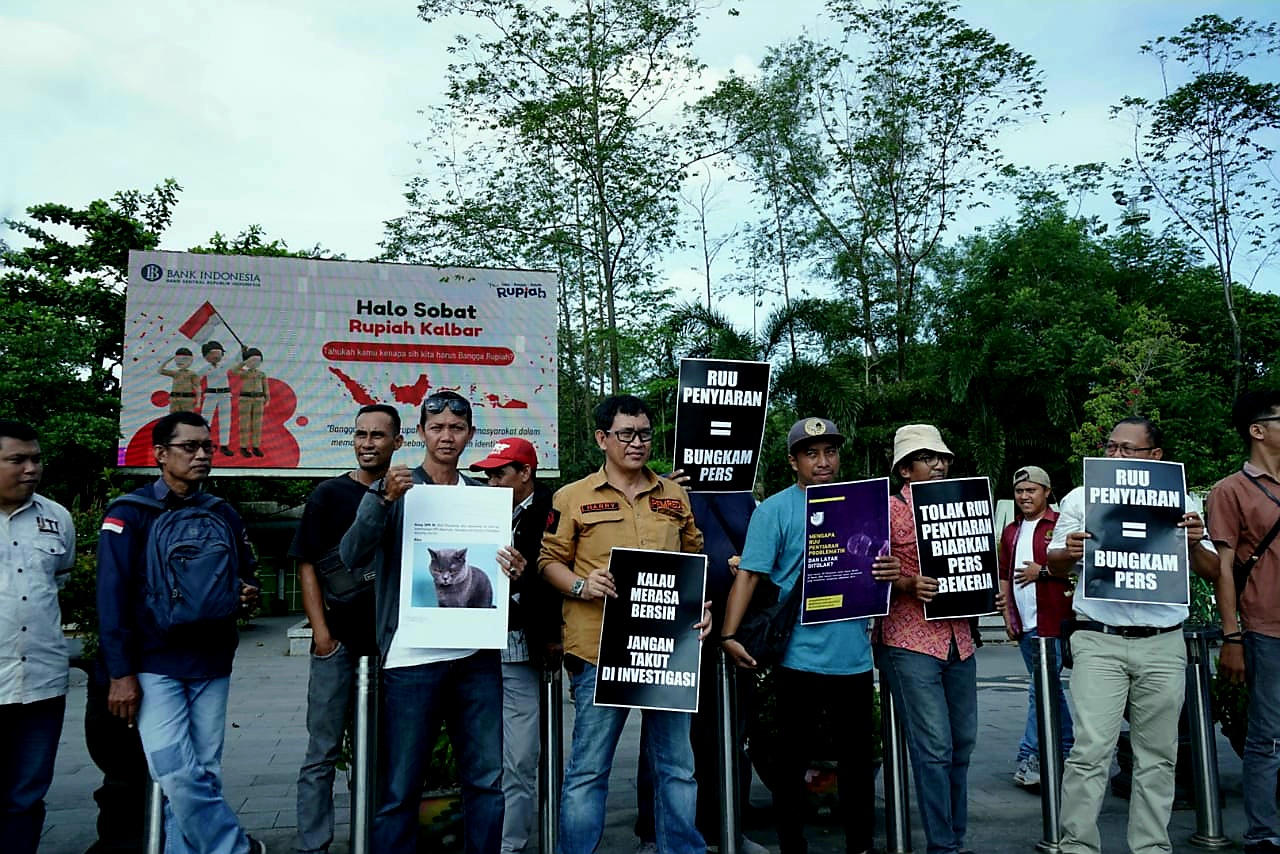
(625, 505)
(173, 685)
(1244, 521)
(421, 687)
(1125, 653)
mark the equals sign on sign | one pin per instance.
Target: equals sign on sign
(721, 428)
(1136, 530)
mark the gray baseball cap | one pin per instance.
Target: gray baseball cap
(811, 429)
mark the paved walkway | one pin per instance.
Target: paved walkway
(266, 738)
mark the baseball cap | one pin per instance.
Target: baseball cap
(508, 451)
(1034, 474)
(811, 429)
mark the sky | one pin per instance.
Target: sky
(300, 115)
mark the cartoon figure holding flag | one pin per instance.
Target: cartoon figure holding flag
(184, 394)
(202, 326)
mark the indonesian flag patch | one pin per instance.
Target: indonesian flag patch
(113, 524)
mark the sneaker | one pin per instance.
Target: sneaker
(750, 846)
(1028, 773)
(257, 846)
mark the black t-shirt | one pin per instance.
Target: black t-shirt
(329, 513)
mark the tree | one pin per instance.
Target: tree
(1207, 146)
(62, 306)
(566, 109)
(911, 114)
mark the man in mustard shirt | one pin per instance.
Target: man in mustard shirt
(626, 505)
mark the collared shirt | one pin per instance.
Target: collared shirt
(905, 626)
(37, 551)
(591, 518)
(1152, 614)
(1239, 517)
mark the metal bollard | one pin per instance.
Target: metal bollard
(1049, 725)
(364, 753)
(726, 704)
(153, 833)
(897, 786)
(1204, 746)
(551, 764)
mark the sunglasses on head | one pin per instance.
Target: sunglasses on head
(436, 405)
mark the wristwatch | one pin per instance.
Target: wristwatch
(576, 590)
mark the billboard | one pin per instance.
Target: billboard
(279, 353)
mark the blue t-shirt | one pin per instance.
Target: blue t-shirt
(775, 545)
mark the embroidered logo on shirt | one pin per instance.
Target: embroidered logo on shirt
(46, 526)
(599, 507)
(553, 521)
(114, 525)
(668, 505)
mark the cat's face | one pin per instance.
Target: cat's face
(448, 565)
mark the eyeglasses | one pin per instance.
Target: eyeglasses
(190, 448)
(1116, 450)
(626, 435)
(1268, 418)
(932, 458)
(436, 405)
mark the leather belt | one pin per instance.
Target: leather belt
(226, 390)
(1125, 631)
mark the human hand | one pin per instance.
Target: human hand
(704, 625)
(599, 584)
(738, 653)
(511, 562)
(1028, 573)
(1231, 661)
(396, 482)
(1194, 526)
(922, 587)
(886, 568)
(124, 697)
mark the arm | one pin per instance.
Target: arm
(313, 606)
(360, 544)
(164, 369)
(116, 632)
(1231, 659)
(744, 587)
(1067, 546)
(559, 550)
(1204, 558)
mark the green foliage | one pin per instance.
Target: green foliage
(61, 328)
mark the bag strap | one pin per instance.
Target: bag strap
(1246, 567)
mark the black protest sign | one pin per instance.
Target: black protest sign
(649, 649)
(1137, 552)
(720, 410)
(955, 535)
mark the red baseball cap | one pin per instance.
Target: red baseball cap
(508, 451)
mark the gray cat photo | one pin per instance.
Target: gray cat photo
(458, 583)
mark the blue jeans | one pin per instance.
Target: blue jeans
(329, 689)
(182, 723)
(938, 701)
(668, 752)
(1262, 743)
(1030, 745)
(29, 735)
(466, 694)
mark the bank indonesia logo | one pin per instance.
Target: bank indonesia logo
(152, 272)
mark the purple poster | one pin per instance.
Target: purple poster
(846, 529)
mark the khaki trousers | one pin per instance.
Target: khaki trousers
(1150, 674)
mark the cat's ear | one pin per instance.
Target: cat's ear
(462, 555)
(433, 553)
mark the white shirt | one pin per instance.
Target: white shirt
(1156, 614)
(37, 551)
(1025, 596)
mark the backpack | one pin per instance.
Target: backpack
(191, 562)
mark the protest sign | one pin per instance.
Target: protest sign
(846, 529)
(453, 594)
(720, 411)
(955, 535)
(1136, 552)
(649, 650)
(279, 353)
